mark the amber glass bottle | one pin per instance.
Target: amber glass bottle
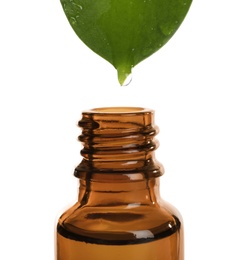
(119, 214)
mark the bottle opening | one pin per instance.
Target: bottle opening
(119, 110)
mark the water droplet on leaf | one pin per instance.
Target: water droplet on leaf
(73, 20)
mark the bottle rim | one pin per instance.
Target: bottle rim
(119, 110)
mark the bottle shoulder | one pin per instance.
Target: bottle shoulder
(121, 222)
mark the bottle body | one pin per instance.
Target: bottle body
(158, 249)
(119, 213)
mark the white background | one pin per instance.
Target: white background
(197, 84)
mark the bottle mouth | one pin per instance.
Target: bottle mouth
(118, 120)
(119, 110)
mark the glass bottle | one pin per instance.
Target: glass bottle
(119, 213)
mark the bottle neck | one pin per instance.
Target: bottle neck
(122, 189)
(118, 141)
(118, 157)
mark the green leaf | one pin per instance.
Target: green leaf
(125, 32)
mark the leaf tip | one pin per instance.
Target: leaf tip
(124, 75)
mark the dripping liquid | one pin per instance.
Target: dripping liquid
(163, 247)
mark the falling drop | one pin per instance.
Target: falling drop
(127, 80)
(124, 74)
